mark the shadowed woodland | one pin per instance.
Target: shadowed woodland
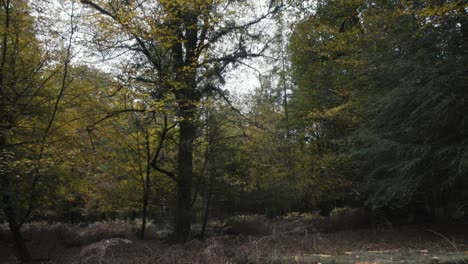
(222, 131)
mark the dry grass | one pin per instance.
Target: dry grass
(45, 240)
(97, 252)
(85, 235)
(250, 225)
(290, 240)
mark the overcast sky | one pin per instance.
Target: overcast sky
(239, 81)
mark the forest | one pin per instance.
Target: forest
(229, 131)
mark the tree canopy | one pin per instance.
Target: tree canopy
(363, 104)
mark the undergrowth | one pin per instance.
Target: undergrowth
(292, 239)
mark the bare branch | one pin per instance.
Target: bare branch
(116, 113)
(162, 138)
(227, 30)
(98, 8)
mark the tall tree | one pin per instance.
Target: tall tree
(325, 56)
(21, 64)
(382, 78)
(414, 137)
(179, 45)
(33, 80)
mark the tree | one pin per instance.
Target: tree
(29, 101)
(325, 58)
(377, 84)
(414, 137)
(144, 156)
(34, 79)
(19, 87)
(267, 148)
(178, 46)
(222, 167)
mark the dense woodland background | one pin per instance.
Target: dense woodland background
(118, 110)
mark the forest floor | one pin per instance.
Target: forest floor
(289, 240)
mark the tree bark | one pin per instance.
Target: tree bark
(187, 99)
(15, 227)
(211, 176)
(183, 214)
(147, 183)
(206, 214)
(464, 28)
(144, 215)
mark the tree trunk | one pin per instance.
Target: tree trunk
(21, 249)
(206, 214)
(8, 206)
(147, 185)
(144, 215)
(183, 214)
(464, 28)
(10, 214)
(9, 209)
(212, 174)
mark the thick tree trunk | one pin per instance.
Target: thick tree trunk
(183, 213)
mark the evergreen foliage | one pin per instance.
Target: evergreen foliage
(403, 69)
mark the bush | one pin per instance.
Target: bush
(99, 231)
(347, 218)
(253, 225)
(97, 252)
(72, 235)
(297, 215)
(342, 211)
(5, 235)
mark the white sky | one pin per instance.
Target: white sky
(240, 81)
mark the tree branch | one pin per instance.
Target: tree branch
(98, 8)
(227, 30)
(154, 161)
(116, 113)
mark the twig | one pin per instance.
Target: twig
(444, 237)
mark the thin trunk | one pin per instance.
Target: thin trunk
(10, 213)
(144, 216)
(4, 119)
(63, 87)
(206, 214)
(147, 185)
(464, 28)
(212, 172)
(284, 82)
(6, 5)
